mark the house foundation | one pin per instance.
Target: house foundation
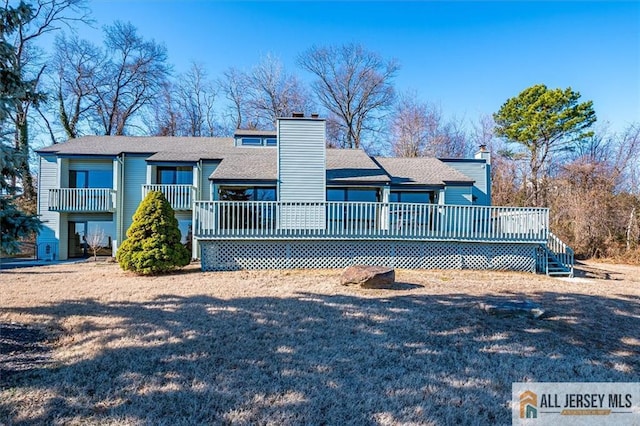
(229, 255)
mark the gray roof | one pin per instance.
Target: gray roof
(421, 171)
(348, 165)
(252, 132)
(164, 148)
(248, 164)
(238, 163)
(343, 165)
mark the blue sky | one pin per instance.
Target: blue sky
(468, 57)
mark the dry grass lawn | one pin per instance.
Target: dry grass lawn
(89, 344)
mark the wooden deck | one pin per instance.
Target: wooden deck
(256, 220)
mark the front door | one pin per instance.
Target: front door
(77, 239)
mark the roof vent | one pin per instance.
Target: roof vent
(298, 115)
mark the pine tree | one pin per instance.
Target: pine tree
(14, 223)
(153, 241)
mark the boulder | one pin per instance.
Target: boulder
(513, 308)
(369, 276)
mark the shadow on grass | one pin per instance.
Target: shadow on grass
(315, 358)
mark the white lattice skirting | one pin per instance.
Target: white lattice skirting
(226, 255)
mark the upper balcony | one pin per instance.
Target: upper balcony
(180, 197)
(361, 220)
(82, 200)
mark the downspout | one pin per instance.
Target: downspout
(194, 243)
(120, 200)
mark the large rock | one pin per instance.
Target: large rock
(369, 276)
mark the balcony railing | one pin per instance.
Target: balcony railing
(82, 200)
(353, 220)
(179, 196)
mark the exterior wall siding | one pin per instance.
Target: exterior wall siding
(135, 175)
(301, 171)
(301, 160)
(252, 254)
(205, 185)
(480, 172)
(50, 233)
(458, 195)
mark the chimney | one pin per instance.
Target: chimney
(483, 154)
(315, 115)
(298, 115)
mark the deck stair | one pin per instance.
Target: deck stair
(555, 258)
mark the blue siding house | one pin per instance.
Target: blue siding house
(281, 199)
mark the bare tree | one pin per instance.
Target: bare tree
(275, 93)
(195, 96)
(186, 106)
(594, 201)
(418, 129)
(133, 76)
(166, 116)
(408, 130)
(96, 240)
(234, 85)
(77, 65)
(353, 84)
(627, 159)
(47, 16)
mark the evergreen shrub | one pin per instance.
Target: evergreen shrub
(153, 241)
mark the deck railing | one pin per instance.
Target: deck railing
(355, 220)
(562, 253)
(179, 196)
(81, 199)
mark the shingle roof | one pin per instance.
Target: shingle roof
(238, 163)
(188, 148)
(420, 171)
(251, 132)
(345, 165)
(248, 164)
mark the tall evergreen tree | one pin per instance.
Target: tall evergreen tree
(543, 121)
(14, 224)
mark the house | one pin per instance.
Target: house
(281, 199)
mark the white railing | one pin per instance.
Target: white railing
(353, 220)
(82, 199)
(179, 196)
(562, 253)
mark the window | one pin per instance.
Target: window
(247, 215)
(83, 234)
(259, 141)
(352, 216)
(78, 179)
(422, 197)
(90, 178)
(182, 175)
(411, 216)
(352, 194)
(252, 141)
(248, 193)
